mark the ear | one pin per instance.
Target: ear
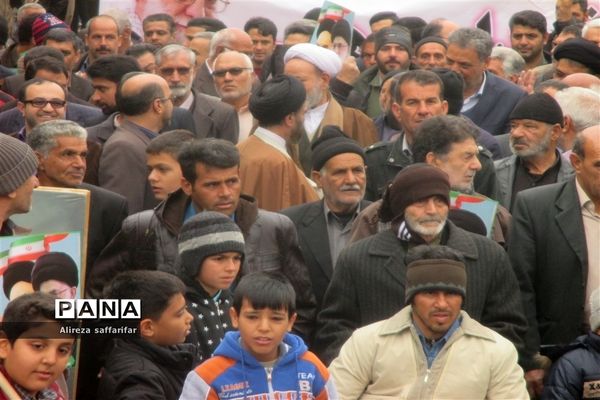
(556, 132)
(291, 322)
(396, 110)
(21, 107)
(147, 328)
(567, 123)
(316, 177)
(445, 107)
(325, 79)
(546, 36)
(431, 159)
(234, 317)
(186, 186)
(575, 161)
(289, 120)
(5, 347)
(40, 158)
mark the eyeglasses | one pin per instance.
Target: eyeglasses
(220, 73)
(168, 71)
(164, 99)
(41, 103)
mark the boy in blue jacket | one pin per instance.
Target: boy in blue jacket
(262, 358)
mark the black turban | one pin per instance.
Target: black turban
(276, 98)
(580, 50)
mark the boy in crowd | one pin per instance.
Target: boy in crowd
(262, 359)
(152, 364)
(161, 157)
(211, 251)
(33, 351)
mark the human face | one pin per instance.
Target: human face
(157, 33)
(564, 67)
(561, 37)
(391, 57)
(418, 103)
(435, 311)
(466, 62)
(165, 174)
(218, 272)
(587, 169)
(530, 138)
(68, 50)
(58, 289)
(261, 330)
(104, 95)
(343, 180)
(179, 74)
(315, 83)
(427, 217)
(166, 102)
(21, 197)
(298, 129)
(200, 47)
(593, 35)
(368, 54)
(233, 86)
(340, 47)
(173, 325)
(45, 91)
(495, 67)
(102, 38)
(65, 164)
(431, 55)
(190, 31)
(578, 13)
(35, 363)
(215, 189)
(461, 164)
(147, 63)
(527, 41)
(262, 46)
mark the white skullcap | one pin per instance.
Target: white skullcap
(324, 59)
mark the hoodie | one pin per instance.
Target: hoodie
(234, 374)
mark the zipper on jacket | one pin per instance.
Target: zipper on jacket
(427, 375)
(269, 371)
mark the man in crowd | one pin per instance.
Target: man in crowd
(267, 169)
(469, 50)
(211, 183)
(263, 33)
(430, 334)
(18, 166)
(430, 52)
(536, 125)
(576, 55)
(144, 101)
(212, 118)
(159, 29)
(224, 40)
(383, 19)
(591, 31)
(581, 110)
(102, 38)
(554, 249)
(200, 45)
(506, 63)
(528, 36)
(338, 168)
(315, 66)
(233, 80)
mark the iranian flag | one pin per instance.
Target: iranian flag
(3, 261)
(29, 248)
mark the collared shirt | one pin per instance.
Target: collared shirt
(208, 66)
(525, 180)
(472, 100)
(272, 139)
(150, 134)
(591, 225)
(21, 134)
(246, 121)
(405, 147)
(313, 118)
(433, 347)
(187, 103)
(338, 232)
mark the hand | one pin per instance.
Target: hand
(527, 80)
(535, 382)
(349, 72)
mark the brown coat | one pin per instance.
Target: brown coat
(271, 177)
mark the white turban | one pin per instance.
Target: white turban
(324, 59)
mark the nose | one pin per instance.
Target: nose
(225, 191)
(231, 265)
(79, 161)
(188, 317)
(263, 324)
(516, 132)
(36, 182)
(48, 108)
(49, 357)
(152, 176)
(423, 108)
(440, 300)
(430, 207)
(476, 164)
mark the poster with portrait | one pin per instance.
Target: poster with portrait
(484, 207)
(334, 31)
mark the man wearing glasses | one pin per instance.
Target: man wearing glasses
(40, 101)
(212, 118)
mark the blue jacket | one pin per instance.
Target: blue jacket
(576, 375)
(233, 373)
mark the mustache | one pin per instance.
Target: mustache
(430, 219)
(349, 188)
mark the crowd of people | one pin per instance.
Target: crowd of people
(290, 215)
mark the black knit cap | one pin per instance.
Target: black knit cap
(580, 50)
(19, 271)
(538, 107)
(394, 34)
(332, 142)
(57, 266)
(414, 183)
(441, 274)
(277, 98)
(204, 235)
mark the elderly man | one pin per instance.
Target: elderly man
(144, 101)
(102, 38)
(506, 63)
(554, 248)
(576, 55)
(581, 110)
(528, 36)
(469, 50)
(536, 124)
(417, 204)
(267, 170)
(18, 166)
(591, 31)
(233, 79)
(224, 40)
(61, 149)
(435, 340)
(338, 168)
(315, 66)
(212, 118)
(430, 52)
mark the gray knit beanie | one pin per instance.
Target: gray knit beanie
(442, 274)
(17, 164)
(204, 235)
(595, 310)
